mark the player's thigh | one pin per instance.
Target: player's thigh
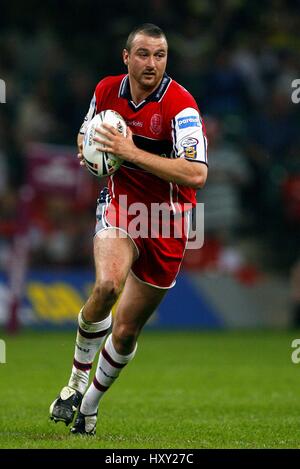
(137, 303)
(113, 255)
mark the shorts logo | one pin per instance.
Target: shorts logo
(156, 124)
(188, 121)
(189, 146)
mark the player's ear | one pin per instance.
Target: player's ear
(125, 56)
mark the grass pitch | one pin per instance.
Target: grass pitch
(182, 390)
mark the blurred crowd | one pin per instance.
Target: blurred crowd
(238, 58)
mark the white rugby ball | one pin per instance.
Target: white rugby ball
(101, 163)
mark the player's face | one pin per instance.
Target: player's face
(147, 60)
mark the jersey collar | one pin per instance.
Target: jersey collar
(155, 96)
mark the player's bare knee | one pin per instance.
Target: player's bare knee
(106, 292)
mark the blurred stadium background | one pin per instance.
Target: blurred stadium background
(237, 381)
(238, 59)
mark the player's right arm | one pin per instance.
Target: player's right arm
(89, 116)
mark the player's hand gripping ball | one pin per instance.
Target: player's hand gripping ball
(101, 163)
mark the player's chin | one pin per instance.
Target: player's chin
(149, 81)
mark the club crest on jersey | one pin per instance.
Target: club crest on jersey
(156, 124)
(189, 146)
(188, 121)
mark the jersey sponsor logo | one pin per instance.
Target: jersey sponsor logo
(188, 121)
(189, 146)
(135, 123)
(156, 124)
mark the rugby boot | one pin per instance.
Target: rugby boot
(85, 424)
(65, 405)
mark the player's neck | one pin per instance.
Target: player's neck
(138, 94)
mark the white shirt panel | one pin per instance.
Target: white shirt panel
(188, 138)
(90, 114)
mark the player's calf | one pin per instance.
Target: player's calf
(125, 337)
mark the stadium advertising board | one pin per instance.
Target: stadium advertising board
(54, 299)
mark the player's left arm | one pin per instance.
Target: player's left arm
(189, 146)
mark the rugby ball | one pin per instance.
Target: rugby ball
(101, 163)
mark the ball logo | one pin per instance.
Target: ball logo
(156, 124)
(120, 127)
(91, 136)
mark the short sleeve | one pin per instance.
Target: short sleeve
(89, 116)
(188, 134)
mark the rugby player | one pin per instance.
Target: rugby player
(164, 162)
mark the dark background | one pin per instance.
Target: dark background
(238, 58)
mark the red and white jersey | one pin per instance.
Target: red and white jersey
(166, 123)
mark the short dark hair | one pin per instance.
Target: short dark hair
(148, 29)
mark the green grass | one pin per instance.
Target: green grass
(183, 390)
